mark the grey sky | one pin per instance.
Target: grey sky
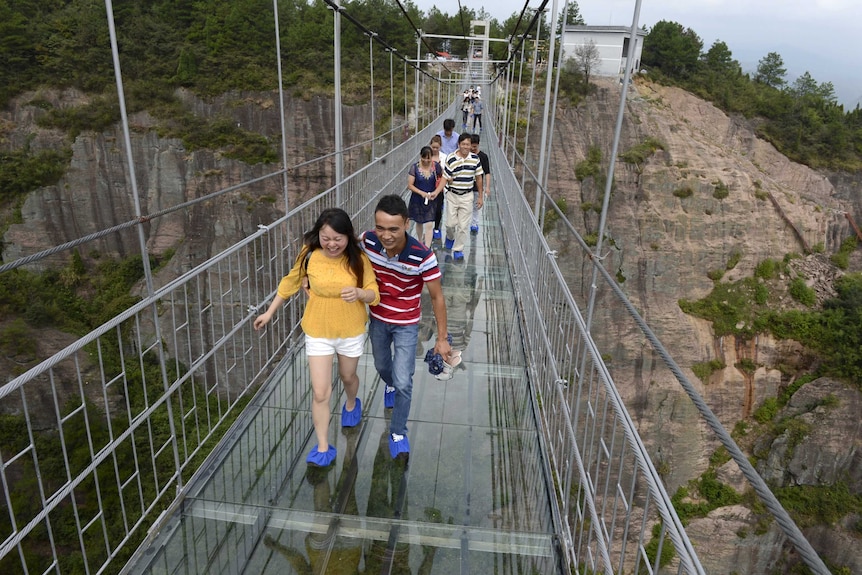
(815, 36)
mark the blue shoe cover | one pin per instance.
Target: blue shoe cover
(398, 444)
(458, 256)
(448, 244)
(437, 235)
(351, 418)
(474, 229)
(321, 459)
(388, 396)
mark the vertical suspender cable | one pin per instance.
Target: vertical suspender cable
(148, 273)
(556, 91)
(391, 101)
(418, 64)
(544, 136)
(281, 108)
(371, 66)
(597, 252)
(518, 101)
(339, 142)
(530, 101)
(406, 114)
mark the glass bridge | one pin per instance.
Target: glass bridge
(471, 499)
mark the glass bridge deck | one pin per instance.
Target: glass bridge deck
(471, 498)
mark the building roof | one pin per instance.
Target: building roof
(607, 29)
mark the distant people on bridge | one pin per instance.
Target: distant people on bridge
(403, 266)
(478, 107)
(340, 283)
(440, 158)
(466, 109)
(425, 182)
(486, 182)
(448, 136)
(463, 172)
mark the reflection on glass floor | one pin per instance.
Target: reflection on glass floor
(471, 499)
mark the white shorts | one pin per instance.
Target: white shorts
(346, 346)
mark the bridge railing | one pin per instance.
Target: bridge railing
(103, 437)
(610, 502)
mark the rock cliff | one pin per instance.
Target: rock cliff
(714, 194)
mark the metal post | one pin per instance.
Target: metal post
(556, 92)
(391, 101)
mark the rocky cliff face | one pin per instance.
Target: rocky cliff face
(662, 244)
(96, 192)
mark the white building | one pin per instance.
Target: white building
(612, 43)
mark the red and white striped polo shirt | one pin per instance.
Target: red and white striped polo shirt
(400, 279)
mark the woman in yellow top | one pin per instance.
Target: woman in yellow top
(340, 283)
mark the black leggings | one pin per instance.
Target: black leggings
(438, 211)
(477, 119)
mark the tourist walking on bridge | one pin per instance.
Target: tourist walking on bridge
(448, 136)
(486, 182)
(425, 182)
(340, 283)
(403, 266)
(463, 172)
(439, 158)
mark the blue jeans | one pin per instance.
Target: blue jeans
(396, 369)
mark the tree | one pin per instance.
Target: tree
(719, 59)
(586, 59)
(572, 15)
(771, 71)
(672, 49)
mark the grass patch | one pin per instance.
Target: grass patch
(684, 192)
(639, 154)
(721, 191)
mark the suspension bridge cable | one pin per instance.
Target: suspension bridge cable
(418, 33)
(368, 32)
(533, 22)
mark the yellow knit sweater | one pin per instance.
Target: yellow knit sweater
(326, 314)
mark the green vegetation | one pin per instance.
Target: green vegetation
(702, 495)
(23, 171)
(802, 119)
(76, 299)
(816, 505)
(640, 153)
(551, 216)
(705, 369)
(684, 192)
(721, 190)
(734, 258)
(591, 166)
(842, 257)
(802, 293)
(834, 332)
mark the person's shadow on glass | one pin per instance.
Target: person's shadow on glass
(329, 553)
(462, 288)
(387, 499)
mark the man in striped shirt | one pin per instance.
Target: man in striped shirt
(463, 171)
(403, 265)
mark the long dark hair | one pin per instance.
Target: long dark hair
(339, 221)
